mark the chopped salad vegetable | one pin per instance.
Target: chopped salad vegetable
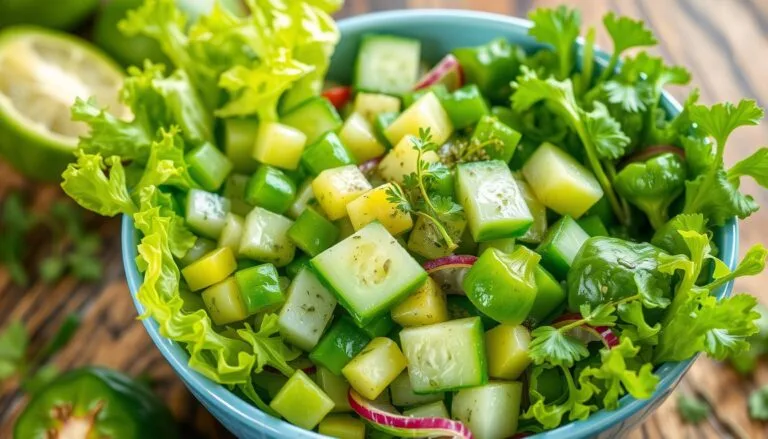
(422, 264)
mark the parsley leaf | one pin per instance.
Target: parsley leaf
(553, 346)
(692, 409)
(755, 166)
(558, 27)
(758, 404)
(625, 34)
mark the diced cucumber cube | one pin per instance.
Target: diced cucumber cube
(337, 187)
(239, 138)
(402, 393)
(387, 64)
(465, 106)
(269, 382)
(305, 196)
(432, 410)
(327, 152)
(357, 135)
(375, 205)
(427, 112)
(426, 241)
(312, 232)
(501, 140)
(502, 286)
(279, 145)
(445, 356)
(536, 232)
(308, 309)
(265, 237)
(550, 295)
(507, 350)
(224, 303)
(201, 247)
(490, 411)
(206, 213)
(208, 166)
(492, 200)
(336, 387)
(210, 269)
(314, 118)
(232, 232)
(301, 402)
(375, 367)
(336, 348)
(260, 288)
(369, 272)
(234, 191)
(424, 307)
(403, 159)
(560, 246)
(560, 182)
(370, 105)
(342, 427)
(271, 189)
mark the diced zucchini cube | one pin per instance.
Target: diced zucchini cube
(271, 189)
(536, 232)
(375, 205)
(265, 237)
(426, 112)
(550, 295)
(357, 135)
(402, 393)
(432, 410)
(492, 200)
(370, 105)
(560, 182)
(232, 232)
(301, 402)
(312, 232)
(501, 140)
(387, 64)
(507, 350)
(279, 145)
(308, 309)
(234, 191)
(208, 166)
(224, 303)
(426, 241)
(490, 411)
(337, 187)
(445, 356)
(239, 137)
(336, 348)
(305, 196)
(259, 288)
(560, 245)
(424, 307)
(375, 367)
(336, 387)
(369, 272)
(326, 153)
(210, 269)
(342, 427)
(403, 160)
(314, 118)
(206, 213)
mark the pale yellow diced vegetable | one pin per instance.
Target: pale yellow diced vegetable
(375, 367)
(424, 113)
(232, 232)
(374, 205)
(426, 241)
(403, 160)
(210, 269)
(424, 307)
(279, 145)
(335, 188)
(357, 135)
(342, 427)
(507, 351)
(369, 105)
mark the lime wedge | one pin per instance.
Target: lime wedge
(43, 72)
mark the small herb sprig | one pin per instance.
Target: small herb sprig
(416, 196)
(465, 150)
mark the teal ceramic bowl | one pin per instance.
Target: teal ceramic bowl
(440, 31)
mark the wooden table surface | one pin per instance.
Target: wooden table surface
(723, 42)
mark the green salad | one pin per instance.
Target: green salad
(494, 245)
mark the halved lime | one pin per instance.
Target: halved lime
(43, 72)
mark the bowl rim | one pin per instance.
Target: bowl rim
(249, 414)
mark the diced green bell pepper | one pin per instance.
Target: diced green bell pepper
(271, 189)
(339, 345)
(326, 153)
(208, 166)
(593, 225)
(259, 288)
(312, 232)
(549, 296)
(465, 106)
(379, 327)
(501, 140)
(492, 67)
(560, 245)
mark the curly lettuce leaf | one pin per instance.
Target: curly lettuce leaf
(86, 182)
(576, 405)
(269, 347)
(166, 164)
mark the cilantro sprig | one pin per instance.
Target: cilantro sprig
(416, 197)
